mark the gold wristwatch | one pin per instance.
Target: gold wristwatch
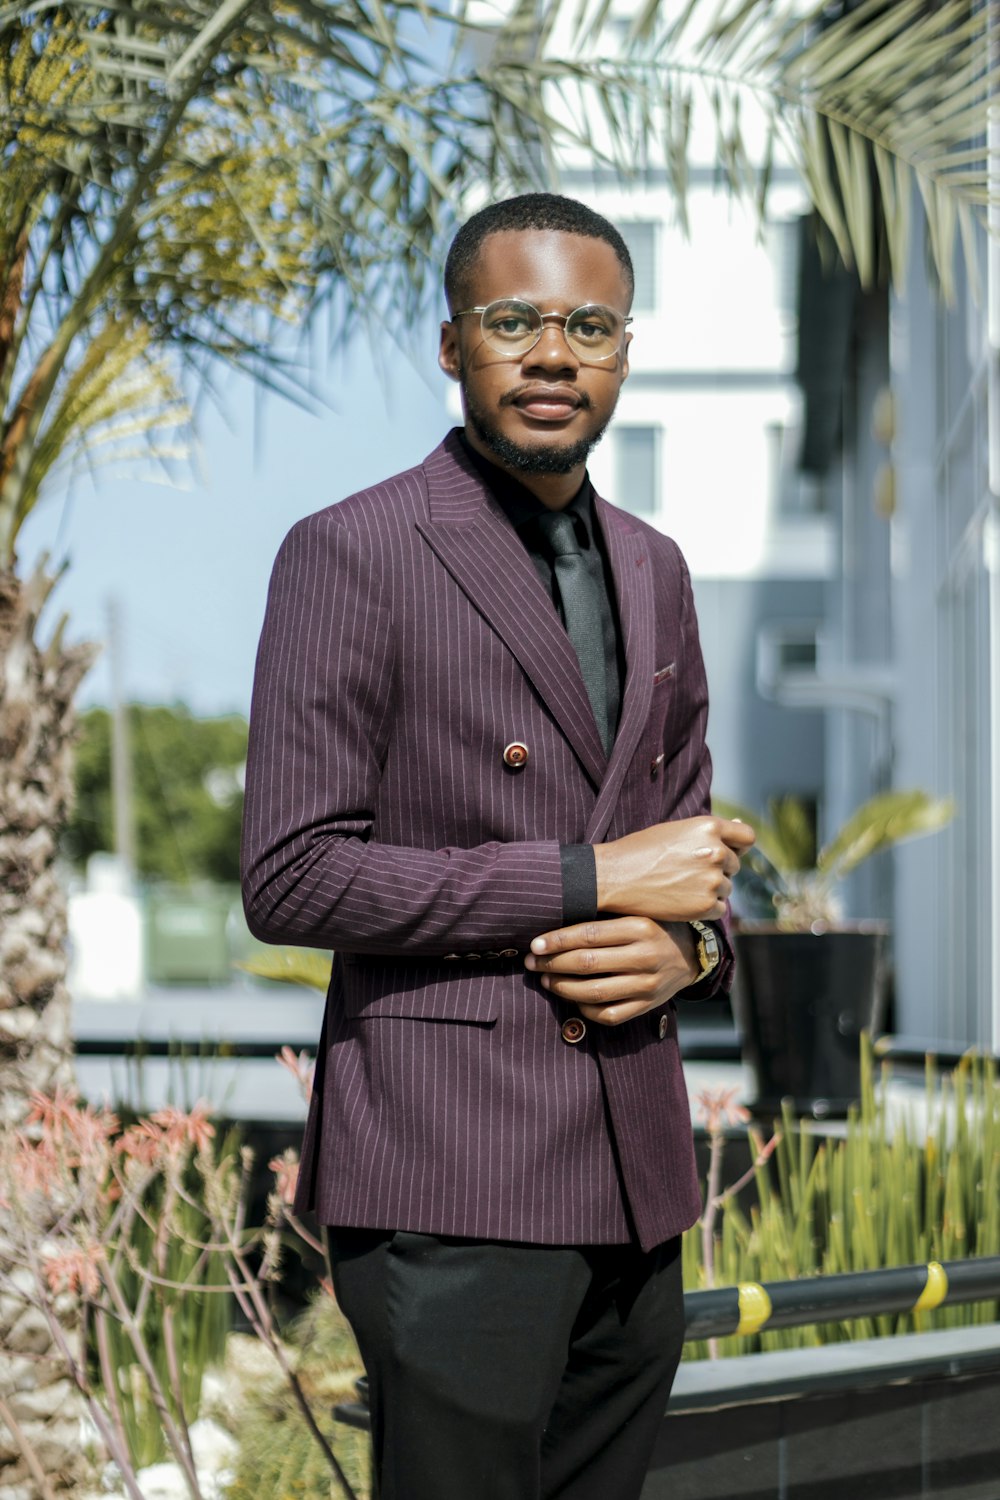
(706, 946)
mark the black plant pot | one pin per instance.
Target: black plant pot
(801, 1003)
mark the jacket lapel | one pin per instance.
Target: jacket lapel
(484, 555)
(628, 554)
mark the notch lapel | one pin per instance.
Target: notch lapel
(484, 555)
(631, 567)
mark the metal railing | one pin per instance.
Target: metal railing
(752, 1306)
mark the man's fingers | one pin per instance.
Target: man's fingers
(607, 989)
(602, 934)
(630, 959)
(614, 1015)
(737, 835)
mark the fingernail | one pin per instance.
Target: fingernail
(529, 962)
(538, 945)
(546, 981)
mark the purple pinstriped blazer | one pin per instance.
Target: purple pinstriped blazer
(408, 639)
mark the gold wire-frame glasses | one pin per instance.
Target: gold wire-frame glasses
(512, 327)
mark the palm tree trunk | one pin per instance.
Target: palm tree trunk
(37, 717)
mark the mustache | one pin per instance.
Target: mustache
(509, 397)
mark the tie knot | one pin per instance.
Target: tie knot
(559, 528)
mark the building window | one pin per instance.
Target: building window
(791, 492)
(637, 469)
(787, 653)
(640, 236)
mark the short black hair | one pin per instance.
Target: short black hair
(529, 211)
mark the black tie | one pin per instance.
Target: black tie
(581, 607)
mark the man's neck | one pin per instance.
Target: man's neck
(554, 491)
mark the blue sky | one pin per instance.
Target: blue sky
(189, 567)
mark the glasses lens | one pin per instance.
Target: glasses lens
(594, 332)
(511, 327)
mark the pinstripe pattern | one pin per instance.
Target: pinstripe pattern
(407, 640)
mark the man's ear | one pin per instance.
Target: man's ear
(628, 340)
(449, 357)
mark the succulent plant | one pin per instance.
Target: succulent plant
(786, 879)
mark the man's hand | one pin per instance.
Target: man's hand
(617, 969)
(672, 872)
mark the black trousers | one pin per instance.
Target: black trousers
(511, 1372)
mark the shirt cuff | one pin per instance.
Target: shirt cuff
(579, 883)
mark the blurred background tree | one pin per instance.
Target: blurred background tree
(187, 792)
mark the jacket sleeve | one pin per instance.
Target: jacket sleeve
(320, 724)
(688, 770)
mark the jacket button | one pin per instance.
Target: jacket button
(450, 957)
(515, 755)
(472, 957)
(508, 952)
(663, 1027)
(574, 1030)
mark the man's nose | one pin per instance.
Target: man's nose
(552, 352)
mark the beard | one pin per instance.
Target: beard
(528, 458)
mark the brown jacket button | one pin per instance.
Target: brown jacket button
(574, 1030)
(515, 755)
(663, 1027)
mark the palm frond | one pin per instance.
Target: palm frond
(218, 173)
(848, 88)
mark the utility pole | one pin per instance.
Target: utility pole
(121, 751)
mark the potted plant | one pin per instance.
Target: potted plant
(810, 981)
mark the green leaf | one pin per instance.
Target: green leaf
(305, 966)
(884, 820)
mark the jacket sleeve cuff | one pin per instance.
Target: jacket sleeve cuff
(579, 883)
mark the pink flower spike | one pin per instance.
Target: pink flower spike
(718, 1108)
(180, 1128)
(286, 1172)
(75, 1270)
(301, 1066)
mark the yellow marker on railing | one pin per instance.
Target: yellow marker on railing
(755, 1307)
(935, 1288)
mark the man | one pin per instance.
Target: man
(478, 772)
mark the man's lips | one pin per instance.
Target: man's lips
(546, 404)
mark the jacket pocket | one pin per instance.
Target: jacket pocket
(420, 991)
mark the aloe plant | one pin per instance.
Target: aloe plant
(798, 884)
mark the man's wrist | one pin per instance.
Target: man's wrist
(605, 879)
(707, 950)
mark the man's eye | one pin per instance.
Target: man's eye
(510, 325)
(591, 330)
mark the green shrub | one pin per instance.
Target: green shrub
(278, 1457)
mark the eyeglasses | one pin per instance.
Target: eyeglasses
(512, 327)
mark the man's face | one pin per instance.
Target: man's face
(539, 412)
